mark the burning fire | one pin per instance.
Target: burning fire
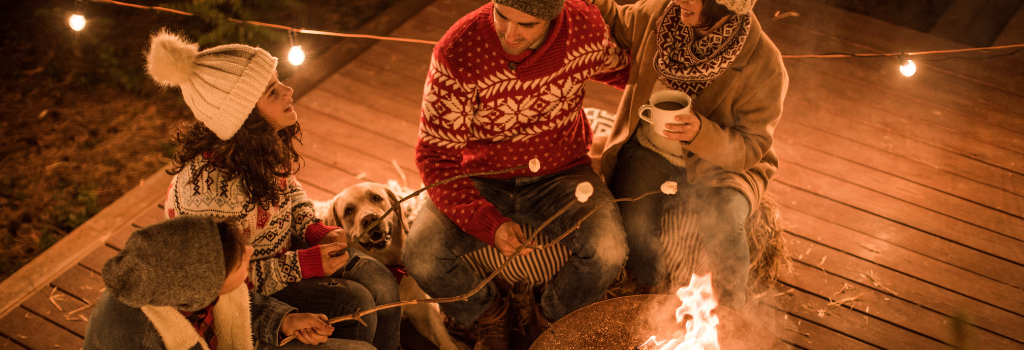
(695, 314)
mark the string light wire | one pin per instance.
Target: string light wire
(293, 30)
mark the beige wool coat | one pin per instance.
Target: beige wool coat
(738, 111)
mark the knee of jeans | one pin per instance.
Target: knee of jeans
(610, 248)
(345, 293)
(379, 281)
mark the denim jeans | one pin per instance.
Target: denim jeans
(598, 247)
(362, 284)
(721, 213)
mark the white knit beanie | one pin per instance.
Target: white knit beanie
(738, 6)
(220, 84)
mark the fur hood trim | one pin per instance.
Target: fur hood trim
(231, 318)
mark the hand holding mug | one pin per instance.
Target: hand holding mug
(684, 129)
(671, 115)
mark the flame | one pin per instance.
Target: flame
(701, 327)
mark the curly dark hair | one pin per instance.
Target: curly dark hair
(711, 12)
(256, 154)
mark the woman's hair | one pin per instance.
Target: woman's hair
(255, 154)
(711, 13)
(231, 241)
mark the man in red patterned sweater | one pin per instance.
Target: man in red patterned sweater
(505, 85)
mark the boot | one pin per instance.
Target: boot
(492, 326)
(538, 323)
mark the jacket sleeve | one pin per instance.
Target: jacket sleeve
(620, 20)
(615, 70)
(267, 314)
(448, 107)
(756, 111)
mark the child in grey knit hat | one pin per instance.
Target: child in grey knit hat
(179, 285)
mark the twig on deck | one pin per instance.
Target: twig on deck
(840, 302)
(846, 287)
(871, 275)
(53, 299)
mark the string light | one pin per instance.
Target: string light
(295, 54)
(907, 67)
(77, 22)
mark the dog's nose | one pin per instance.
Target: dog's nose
(368, 220)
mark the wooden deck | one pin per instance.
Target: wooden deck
(906, 193)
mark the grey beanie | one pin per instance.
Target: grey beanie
(545, 10)
(177, 263)
(738, 6)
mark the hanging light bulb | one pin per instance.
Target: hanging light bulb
(296, 56)
(907, 67)
(77, 22)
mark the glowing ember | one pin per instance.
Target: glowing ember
(695, 314)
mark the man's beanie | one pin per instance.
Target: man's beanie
(737, 6)
(220, 84)
(544, 10)
(177, 263)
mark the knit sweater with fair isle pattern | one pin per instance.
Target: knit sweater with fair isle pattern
(480, 114)
(273, 264)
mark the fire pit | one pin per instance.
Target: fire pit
(627, 322)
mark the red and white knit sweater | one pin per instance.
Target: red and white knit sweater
(273, 264)
(479, 114)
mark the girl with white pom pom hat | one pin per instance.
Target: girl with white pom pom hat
(237, 161)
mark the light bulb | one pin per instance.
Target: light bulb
(77, 22)
(908, 68)
(296, 56)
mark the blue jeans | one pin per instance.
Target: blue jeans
(361, 285)
(331, 344)
(721, 213)
(598, 247)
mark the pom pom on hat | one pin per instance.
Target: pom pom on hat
(737, 6)
(171, 59)
(220, 84)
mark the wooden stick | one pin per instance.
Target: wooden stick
(397, 205)
(465, 296)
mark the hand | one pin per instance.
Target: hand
(311, 329)
(334, 236)
(684, 129)
(508, 237)
(333, 256)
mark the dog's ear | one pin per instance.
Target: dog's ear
(331, 219)
(399, 212)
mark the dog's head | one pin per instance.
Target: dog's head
(358, 207)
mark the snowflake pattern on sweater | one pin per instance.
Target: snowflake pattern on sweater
(269, 230)
(485, 110)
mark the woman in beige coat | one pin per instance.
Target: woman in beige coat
(720, 154)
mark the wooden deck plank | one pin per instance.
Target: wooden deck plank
(95, 260)
(899, 188)
(902, 212)
(852, 323)
(353, 162)
(41, 305)
(359, 139)
(325, 177)
(384, 121)
(801, 204)
(881, 305)
(799, 333)
(354, 92)
(896, 114)
(35, 332)
(897, 143)
(847, 147)
(912, 289)
(81, 283)
(8, 344)
(823, 28)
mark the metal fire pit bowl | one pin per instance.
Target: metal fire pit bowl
(627, 322)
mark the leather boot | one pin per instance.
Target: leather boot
(492, 326)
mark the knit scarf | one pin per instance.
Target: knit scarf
(688, 64)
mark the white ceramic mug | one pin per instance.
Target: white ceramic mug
(664, 107)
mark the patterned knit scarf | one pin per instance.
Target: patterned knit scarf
(688, 64)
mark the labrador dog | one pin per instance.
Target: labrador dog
(358, 207)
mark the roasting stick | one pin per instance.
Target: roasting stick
(667, 188)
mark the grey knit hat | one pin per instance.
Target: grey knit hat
(738, 6)
(177, 263)
(220, 84)
(544, 10)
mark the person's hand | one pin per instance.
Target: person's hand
(311, 329)
(508, 237)
(333, 256)
(334, 236)
(684, 128)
